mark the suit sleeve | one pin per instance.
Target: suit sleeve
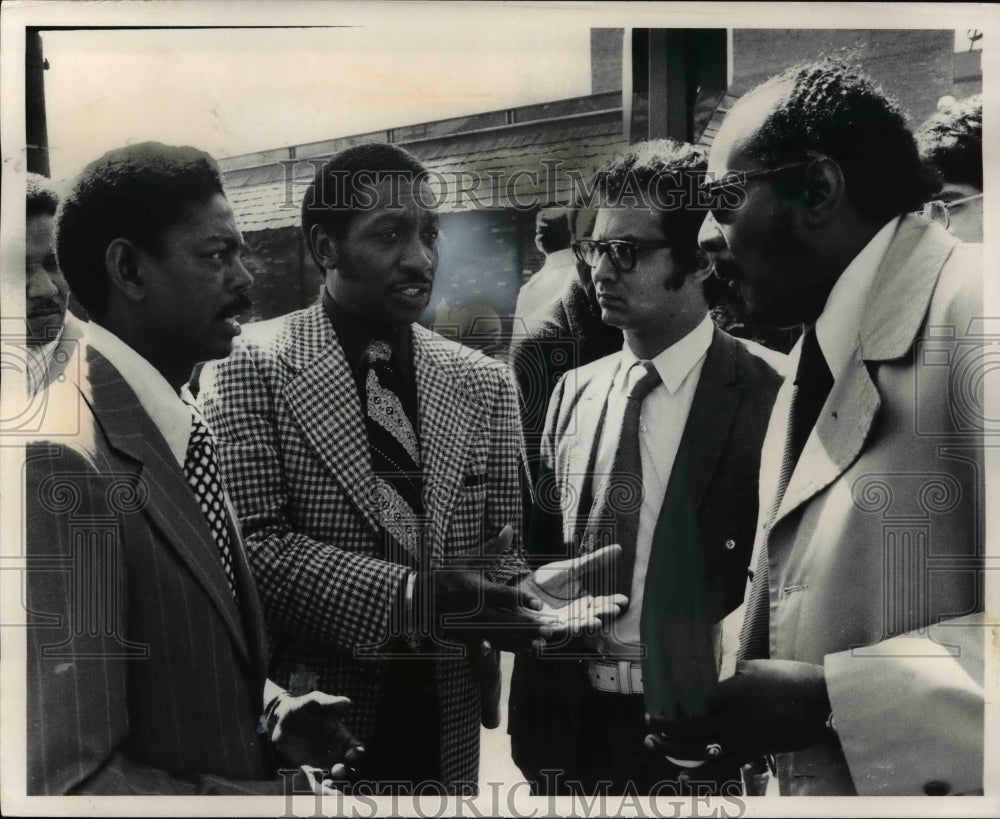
(310, 589)
(530, 361)
(77, 676)
(935, 744)
(506, 475)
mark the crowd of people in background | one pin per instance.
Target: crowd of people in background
(296, 569)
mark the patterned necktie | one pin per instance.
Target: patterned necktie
(614, 517)
(812, 385)
(202, 473)
(395, 454)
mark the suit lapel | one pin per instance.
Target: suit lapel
(837, 439)
(255, 627)
(447, 416)
(171, 505)
(896, 308)
(324, 399)
(712, 413)
(579, 466)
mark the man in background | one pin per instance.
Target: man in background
(46, 293)
(552, 237)
(951, 143)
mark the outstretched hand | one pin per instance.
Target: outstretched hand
(566, 604)
(309, 733)
(457, 600)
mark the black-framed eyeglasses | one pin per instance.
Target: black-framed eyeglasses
(939, 211)
(623, 253)
(728, 193)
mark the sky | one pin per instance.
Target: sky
(233, 91)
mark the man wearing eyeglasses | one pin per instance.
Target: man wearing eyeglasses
(856, 667)
(656, 448)
(951, 144)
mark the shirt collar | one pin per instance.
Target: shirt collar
(170, 415)
(839, 324)
(355, 335)
(39, 361)
(676, 362)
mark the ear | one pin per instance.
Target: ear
(324, 247)
(703, 266)
(123, 264)
(824, 190)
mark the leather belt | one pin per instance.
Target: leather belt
(623, 677)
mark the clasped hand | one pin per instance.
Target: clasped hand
(552, 601)
(767, 707)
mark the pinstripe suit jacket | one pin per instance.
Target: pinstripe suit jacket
(143, 676)
(287, 417)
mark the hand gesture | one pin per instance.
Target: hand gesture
(457, 600)
(308, 733)
(566, 604)
(767, 707)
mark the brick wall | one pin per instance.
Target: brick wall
(916, 66)
(285, 278)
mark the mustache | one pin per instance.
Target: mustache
(240, 304)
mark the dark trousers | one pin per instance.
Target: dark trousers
(406, 745)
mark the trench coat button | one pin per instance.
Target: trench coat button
(730, 544)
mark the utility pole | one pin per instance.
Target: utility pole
(36, 130)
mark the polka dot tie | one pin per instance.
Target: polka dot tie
(202, 473)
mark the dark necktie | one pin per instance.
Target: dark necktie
(810, 389)
(614, 517)
(202, 473)
(395, 454)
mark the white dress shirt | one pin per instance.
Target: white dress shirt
(170, 415)
(661, 424)
(39, 360)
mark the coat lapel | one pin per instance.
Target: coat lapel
(171, 504)
(324, 399)
(448, 414)
(837, 439)
(897, 305)
(578, 464)
(712, 413)
(255, 628)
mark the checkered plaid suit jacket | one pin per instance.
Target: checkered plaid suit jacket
(287, 417)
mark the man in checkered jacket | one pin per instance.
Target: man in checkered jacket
(370, 460)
